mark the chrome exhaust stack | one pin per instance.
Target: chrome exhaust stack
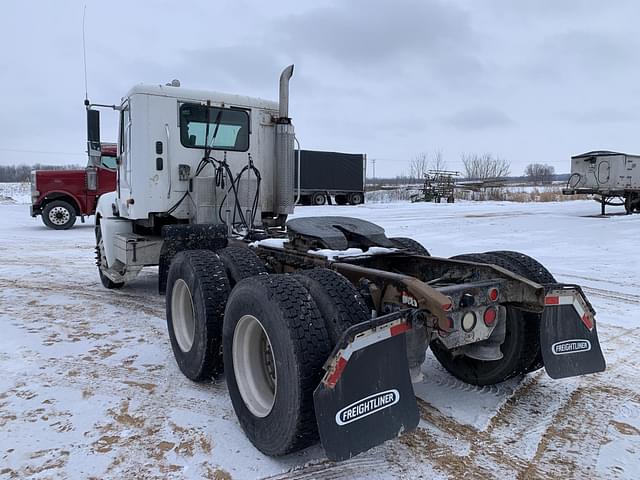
(285, 76)
(284, 180)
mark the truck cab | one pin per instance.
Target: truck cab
(60, 196)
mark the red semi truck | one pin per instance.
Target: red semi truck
(60, 196)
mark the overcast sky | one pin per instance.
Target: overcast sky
(530, 81)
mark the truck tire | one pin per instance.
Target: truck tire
(519, 349)
(59, 215)
(338, 301)
(411, 245)
(318, 199)
(341, 199)
(355, 198)
(197, 291)
(100, 256)
(533, 270)
(241, 263)
(275, 344)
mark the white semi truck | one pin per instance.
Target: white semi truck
(313, 340)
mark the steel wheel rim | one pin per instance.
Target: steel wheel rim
(254, 366)
(182, 316)
(59, 215)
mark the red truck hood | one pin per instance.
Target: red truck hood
(59, 174)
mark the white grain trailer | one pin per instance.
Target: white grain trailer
(610, 175)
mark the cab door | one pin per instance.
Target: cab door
(124, 153)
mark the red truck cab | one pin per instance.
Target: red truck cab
(60, 196)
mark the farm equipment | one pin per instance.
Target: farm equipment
(613, 176)
(320, 324)
(438, 184)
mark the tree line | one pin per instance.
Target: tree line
(21, 173)
(484, 166)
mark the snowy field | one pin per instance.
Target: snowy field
(89, 387)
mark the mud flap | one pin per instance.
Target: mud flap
(568, 335)
(366, 396)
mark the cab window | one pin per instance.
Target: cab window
(108, 162)
(213, 127)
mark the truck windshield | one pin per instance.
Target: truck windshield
(228, 129)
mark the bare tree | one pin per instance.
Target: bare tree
(424, 161)
(21, 173)
(437, 161)
(485, 166)
(539, 173)
(418, 166)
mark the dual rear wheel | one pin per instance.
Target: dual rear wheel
(272, 333)
(521, 347)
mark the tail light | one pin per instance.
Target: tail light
(493, 294)
(489, 317)
(447, 306)
(447, 330)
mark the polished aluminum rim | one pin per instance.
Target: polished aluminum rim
(59, 215)
(184, 325)
(254, 366)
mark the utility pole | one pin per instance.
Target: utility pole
(373, 163)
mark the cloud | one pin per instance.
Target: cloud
(602, 115)
(480, 118)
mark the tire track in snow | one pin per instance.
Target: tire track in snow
(361, 466)
(613, 295)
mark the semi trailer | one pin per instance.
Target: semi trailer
(613, 176)
(324, 176)
(320, 324)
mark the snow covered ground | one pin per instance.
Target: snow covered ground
(12, 193)
(89, 386)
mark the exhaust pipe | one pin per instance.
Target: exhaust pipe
(283, 172)
(285, 76)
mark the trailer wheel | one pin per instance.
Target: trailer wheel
(197, 291)
(535, 271)
(519, 349)
(318, 199)
(338, 301)
(101, 257)
(411, 245)
(341, 199)
(356, 198)
(275, 344)
(59, 215)
(240, 263)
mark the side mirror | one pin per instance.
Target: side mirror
(93, 132)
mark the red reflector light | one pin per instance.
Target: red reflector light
(396, 329)
(586, 319)
(493, 294)
(446, 330)
(447, 306)
(552, 300)
(490, 316)
(337, 373)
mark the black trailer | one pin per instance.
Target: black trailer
(326, 175)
